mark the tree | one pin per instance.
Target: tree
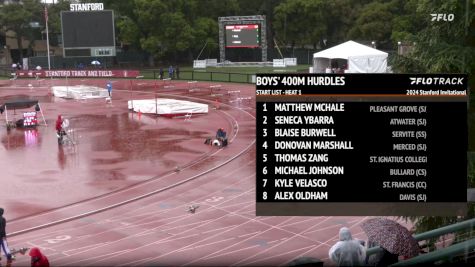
(373, 23)
(54, 15)
(443, 47)
(16, 18)
(300, 22)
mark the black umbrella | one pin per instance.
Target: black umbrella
(391, 236)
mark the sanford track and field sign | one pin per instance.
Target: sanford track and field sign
(78, 73)
(86, 7)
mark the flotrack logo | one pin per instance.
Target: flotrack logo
(442, 17)
(437, 80)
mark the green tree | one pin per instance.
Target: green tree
(16, 18)
(300, 22)
(443, 47)
(374, 23)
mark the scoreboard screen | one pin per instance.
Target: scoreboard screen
(242, 36)
(361, 144)
(88, 29)
(30, 119)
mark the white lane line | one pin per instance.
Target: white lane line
(207, 244)
(209, 256)
(92, 245)
(216, 229)
(164, 239)
(294, 223)
(281, 254)
(324, 228)
(95, 236)
(161, 241)
(274, 246)
(42, 235)
(253, 233)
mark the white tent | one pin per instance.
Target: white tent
(360, 58)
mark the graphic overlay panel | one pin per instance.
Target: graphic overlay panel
(361, 144)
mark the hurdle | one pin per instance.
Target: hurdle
(215, 88)
(192, 86)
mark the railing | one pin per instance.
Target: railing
(6, 72)
(439, 254)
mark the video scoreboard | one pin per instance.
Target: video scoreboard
(88, 33)
(30, 119)
(361, 144)
(243, 35)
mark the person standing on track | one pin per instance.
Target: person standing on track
(59, 129)
(3, 238)
(59, 124)
(109, 88)
(170, 72)
(161, 73)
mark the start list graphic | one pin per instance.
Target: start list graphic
(361, 144)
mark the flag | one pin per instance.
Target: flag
(46, 14)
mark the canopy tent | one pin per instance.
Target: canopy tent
(19, 104)
(360, 58)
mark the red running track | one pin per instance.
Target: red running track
(120, 196)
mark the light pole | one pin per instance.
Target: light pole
(399, 48)
(373, 44)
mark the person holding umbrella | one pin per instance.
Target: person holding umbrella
(347, 251)
(395, 240)
(96, 63)
(382, 258)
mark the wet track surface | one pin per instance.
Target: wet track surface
(120, 196)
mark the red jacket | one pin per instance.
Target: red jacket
(38, 259)
(59, 123)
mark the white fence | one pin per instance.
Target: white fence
(278, 63)
(202, 64)
(292, 61)
(211, 62)
(199, 64)
(282, 63)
